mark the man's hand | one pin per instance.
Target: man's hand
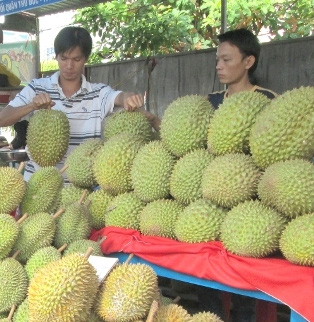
(129, 101)
(42, 101)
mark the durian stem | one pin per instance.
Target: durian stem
(13, 307)
(64, 168)
(62, 248)
(21, 167)
(102, 240)
(152, 311)
(88, 252)
(83, 196)
(129, 259)
(176, 299)
(15, 254)
(22, 219)
(58, 213)
(87, 203)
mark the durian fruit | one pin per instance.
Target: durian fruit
(151, 171)
(127, 293)
(158, 218)
(9, 230)
(112, 166)
(172, 313)
(252, 229)
(128, 122)
(288, 186)
(12, 188)
(35, 232)
(81, 246)
(284, 130)
(187, 174)
(70, 193)
(42, 191)
(40, 258)
(184, 125)
(74, 224)
(230, 179)
(124, 211)
(13, 283)
(21, 313)
(64, 290)
(80, 163)
(297, 240)
(206, 317)
(230, 126)
(99, 200)
(48, 136)
(199, 222)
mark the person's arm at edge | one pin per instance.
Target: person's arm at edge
(10, 115)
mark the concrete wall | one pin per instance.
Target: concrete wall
(283, 65)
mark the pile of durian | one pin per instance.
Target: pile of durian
(242, 174)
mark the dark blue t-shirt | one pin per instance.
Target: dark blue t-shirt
(217, 98)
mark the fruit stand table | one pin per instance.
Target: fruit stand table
(209, 264)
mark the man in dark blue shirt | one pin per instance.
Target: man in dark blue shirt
(237, 58)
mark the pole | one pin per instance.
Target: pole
(223, 16)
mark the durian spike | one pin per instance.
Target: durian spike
(15, 254)
(83, 196)
(58, 213)
(102, 240)
(176, 299)
(21, 167)
(64, 168)
(62, 248)
(152, 311)
(22, 219)
(129, 259)
(88, 252)
(13, 307)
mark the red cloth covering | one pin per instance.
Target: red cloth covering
(291, 284)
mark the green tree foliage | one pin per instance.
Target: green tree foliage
(141, 28)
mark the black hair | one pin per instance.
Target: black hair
(246, 41)
(70, 37)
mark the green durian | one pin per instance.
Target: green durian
(297, 240)
(151, 171)
(187, 174)
(184, 125)
(252, 229)
(288, 186)
(284, 129)
(48, 136)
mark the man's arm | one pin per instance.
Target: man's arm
(10, 115)
(129, 101)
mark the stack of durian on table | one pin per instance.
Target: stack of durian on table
(243, 175)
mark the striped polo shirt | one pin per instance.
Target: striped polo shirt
(85, 110)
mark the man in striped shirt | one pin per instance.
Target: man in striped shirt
(85, 104)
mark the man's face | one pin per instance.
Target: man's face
(71, 64)
(231, 66)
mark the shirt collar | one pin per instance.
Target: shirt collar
(85, 86)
